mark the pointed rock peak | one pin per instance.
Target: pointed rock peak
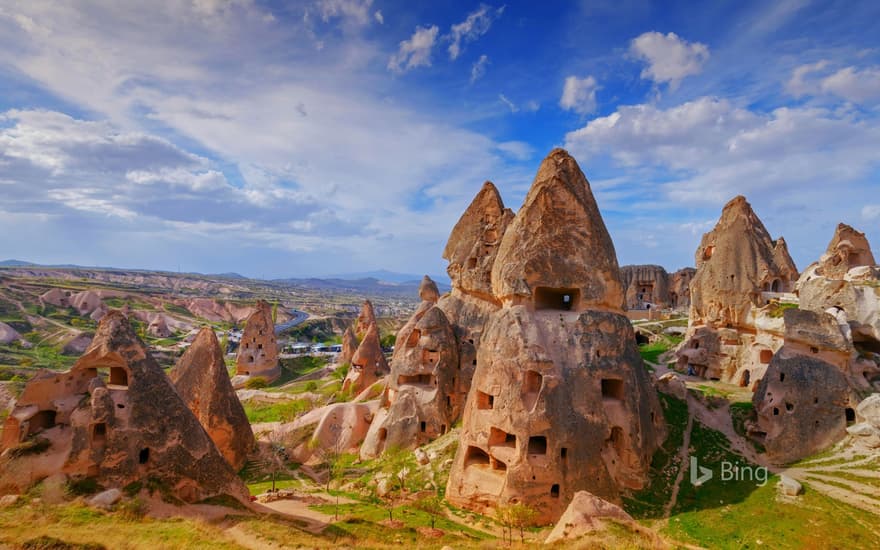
(365, 320)
(428, 291)
(369, 346)
(349, 346)
(366, 365)
(203, 355)
(474, 242)
(115, 338)
(848, 248)
(202, 381)
(557, 253)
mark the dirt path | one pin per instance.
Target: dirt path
(683, 454)
(251, 541)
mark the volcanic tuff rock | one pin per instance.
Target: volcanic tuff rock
(428, 291)
(739, 270)
(349, 346)
(736, 261)
(258, 351)
(802, 403)
(201, 379)
(422, 399)
(680, 287)
(848, 249)
(8, 334)
(586, 513)
(127, 427)
(559, 401)
(474, 241)
(365, 319)
(367, 363)
(849, 286)
(645, 286)
(557, 245)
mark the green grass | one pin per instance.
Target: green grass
(740, 413)
(811, 521)
(665, 464)
(276, 412)
(78, 525)
(777, 309)
(293, 368)
(652, 352)
(363, 521)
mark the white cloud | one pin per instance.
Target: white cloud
(415, 52)
(519, 150)
(356, 11)
(711, 150)
(475, 25)
(871, 212)
(861, 86)
(800, 83)
(478, 69)
(579, 94)
(379, 17)
(510, 104)
(858, 86)
(670, 58)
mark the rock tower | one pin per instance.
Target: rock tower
(740, 270)
(559, 401)
(115, 417)
(258, 351)
(201, 379)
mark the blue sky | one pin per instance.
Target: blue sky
(333, 136)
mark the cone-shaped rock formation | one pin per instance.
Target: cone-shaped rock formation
(557, 253)
(115, 417)
(559, 401)
(258, 351)
(474, 241)
(202, 381)
(367, 364)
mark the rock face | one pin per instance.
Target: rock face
(810, 396)
(367, 363)
(645, 286)
(8, 334)
(842, 281)
(736, 261)
(585, 514)
(258, 351)
(349, 346)
(421, 401)
(680, 287)
(202, 381)
(428, 291)
(848, 249)
(114, 417)
(365, 319)
(802, 404)
(474, 241)
(559, 216)
(559, 401)
(740, 269)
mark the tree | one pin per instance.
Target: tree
(274, 313)
(274, 455)
(522, 516)
(431, 505)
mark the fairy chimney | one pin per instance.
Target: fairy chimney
(474, 241)
(367, 364)
(559, 401)
(258, 351)
(114, 417)
(201, 379)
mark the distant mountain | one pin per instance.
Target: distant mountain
(230, 275)
(387, 276)
(14, 263)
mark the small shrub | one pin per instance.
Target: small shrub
(312, 385)
(133, 488)
(256, 383)
(51, 543)
(31, 446)
(132, 510)
(83, 487)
